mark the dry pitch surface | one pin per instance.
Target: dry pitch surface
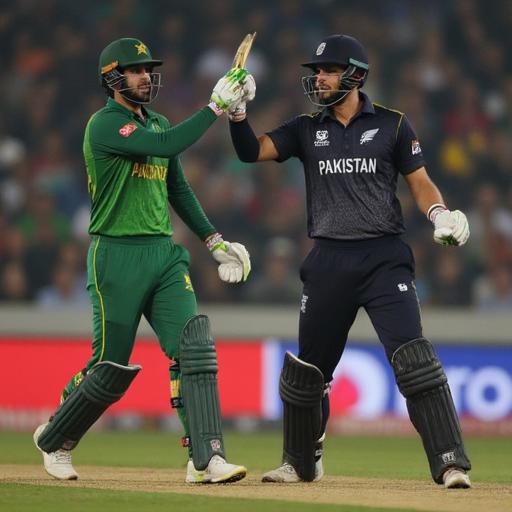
(392, 494)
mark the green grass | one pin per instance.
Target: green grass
(378, 457)
(27, 498)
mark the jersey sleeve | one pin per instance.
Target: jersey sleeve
(116, 133)
(286, 139)
(408, 156)
(184, 201)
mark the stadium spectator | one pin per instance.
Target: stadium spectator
(444, 63)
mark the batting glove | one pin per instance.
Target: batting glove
(237, 112)
(450, 227)
(228, 90)
(233, 258)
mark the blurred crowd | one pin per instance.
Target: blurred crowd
(443, 62)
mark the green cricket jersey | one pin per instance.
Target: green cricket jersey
(134, 170)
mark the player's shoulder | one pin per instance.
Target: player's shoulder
(387, 112)
(107, 115)
(304, 118)
(160, 118)
(308, 116)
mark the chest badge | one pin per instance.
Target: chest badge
(322, 138)
(368, 136)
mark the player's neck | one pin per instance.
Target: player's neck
(346, 110)
(134, 107)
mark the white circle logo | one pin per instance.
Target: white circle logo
(320, 49)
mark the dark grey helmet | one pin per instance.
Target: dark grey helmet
(343, 51)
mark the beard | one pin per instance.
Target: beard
(328, 97)
(137, 94)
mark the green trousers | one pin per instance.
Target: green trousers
(128, 277)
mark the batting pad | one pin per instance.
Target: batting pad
(422, 381)
(301, 388)
(198, 361)
(104, 384)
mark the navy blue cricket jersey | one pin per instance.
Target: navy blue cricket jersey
(351, 172)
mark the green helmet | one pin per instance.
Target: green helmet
(117, 56)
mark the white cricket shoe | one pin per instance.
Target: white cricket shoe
(286, 474)
(218, 471)
(57, 464)
(456, 478)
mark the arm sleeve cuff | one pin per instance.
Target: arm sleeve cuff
(246, 144)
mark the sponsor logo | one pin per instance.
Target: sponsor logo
(127, 129)
(320, 49)
(368, 135)
(347, 166)
(303, 302)
(415, 147)
(149, 171)
(448, 457)
(322, 138)
(215, 444)
(402, 287)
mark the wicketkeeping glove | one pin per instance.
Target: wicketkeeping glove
(228, 90)
(233, 258)
(450, 227)
(237, 112)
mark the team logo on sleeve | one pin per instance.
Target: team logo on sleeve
(127, 129)
(368, 135)
(188, 283)
(415, 147)
(322, 138)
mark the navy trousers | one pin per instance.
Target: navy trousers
(339, 277)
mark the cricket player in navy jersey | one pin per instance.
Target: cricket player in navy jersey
(353, 152)
(135, 268)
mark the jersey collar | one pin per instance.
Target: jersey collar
(367, 108)
(112, 103)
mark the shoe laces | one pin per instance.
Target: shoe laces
(62, 456)
(217, 460)
(287, 467)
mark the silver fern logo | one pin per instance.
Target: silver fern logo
(368, 136)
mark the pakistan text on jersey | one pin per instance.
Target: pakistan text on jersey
(347, 165)
(149, 171)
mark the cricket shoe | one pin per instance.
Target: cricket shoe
(218, 471)
(58, 463)
(456, 478)
(286, 474)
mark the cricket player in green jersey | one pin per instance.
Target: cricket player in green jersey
(135, 268)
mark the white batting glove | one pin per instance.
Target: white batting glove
(237, 112)
(228, 91)
(450, 227)
(233, 258)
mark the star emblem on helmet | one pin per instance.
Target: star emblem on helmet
(141, 49)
